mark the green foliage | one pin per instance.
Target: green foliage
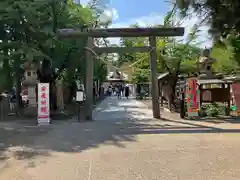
(100, 70)
(212, 110)
(140, 76)
(223, 19)
(225, 60)
(172, 56)
(223, 16)
(176, 57)
(28, 33)
(132, 42)
(188, 67)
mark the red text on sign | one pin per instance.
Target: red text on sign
(43, 88)
(43, 102)
(44, 109)
(43, 95)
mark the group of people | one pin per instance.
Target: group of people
(118, 90)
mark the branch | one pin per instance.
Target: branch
(64, 7)
(64, 64)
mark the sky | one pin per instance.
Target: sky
(149, 13)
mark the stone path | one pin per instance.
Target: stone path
(125, 143)
(122, 109)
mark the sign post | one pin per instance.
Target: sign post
(43, 104)
(79, 100)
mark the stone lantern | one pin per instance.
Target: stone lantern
(30, 73)
(205, 63)
(30, 82)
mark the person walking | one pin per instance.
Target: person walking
(118, 92)
(109, 90)
(127, 92)
(122, 90)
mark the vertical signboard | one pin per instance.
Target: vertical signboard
(192, 97)
(43, 104)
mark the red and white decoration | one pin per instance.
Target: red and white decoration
(43, 104)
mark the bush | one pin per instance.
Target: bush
(211, 110)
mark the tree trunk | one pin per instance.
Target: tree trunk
(18, 83)
(72, 88)
(171, 96)
(53, 96)
(8, 80)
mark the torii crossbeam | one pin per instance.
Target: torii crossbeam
(152, 33)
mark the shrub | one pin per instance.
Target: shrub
(211, 110)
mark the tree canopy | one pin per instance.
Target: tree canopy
(28, 33)
(223, 18)
(222, 15)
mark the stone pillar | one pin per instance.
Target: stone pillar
(154, 81)
(30, 81)
(89, 82)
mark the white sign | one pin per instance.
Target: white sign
(43, 104)
(79, 96)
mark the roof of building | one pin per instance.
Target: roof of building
(117, 76)
(162, 75)
(214, 81)
(232, 78)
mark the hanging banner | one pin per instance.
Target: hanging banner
(43, 104)
(192, 97)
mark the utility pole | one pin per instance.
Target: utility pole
(154, 84)
(89, 80)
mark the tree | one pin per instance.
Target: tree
(141, 76)
(28, 33)
(172, 56)
(131, 42)
(221, 16)
(225, 62)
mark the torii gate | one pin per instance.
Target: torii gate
(152, 33)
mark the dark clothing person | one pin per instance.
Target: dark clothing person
(118, 92)
(13, 98)
(126, 92)
(109, 90)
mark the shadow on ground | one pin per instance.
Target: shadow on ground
(76, 137)
(16, 141)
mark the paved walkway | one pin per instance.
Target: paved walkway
(124, 143)
(121, 109)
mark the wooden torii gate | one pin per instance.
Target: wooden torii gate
(152, 33)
